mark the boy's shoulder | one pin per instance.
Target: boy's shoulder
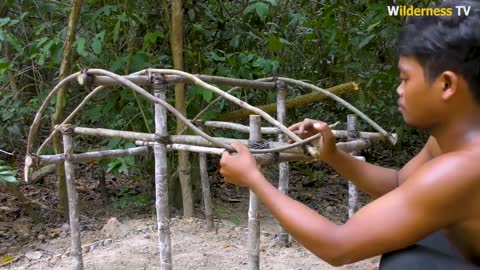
(456, 172)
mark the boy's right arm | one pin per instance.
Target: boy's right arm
(374, 179)
(370, 178)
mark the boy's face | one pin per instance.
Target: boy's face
(416, 99)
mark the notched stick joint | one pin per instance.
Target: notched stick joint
(66, 129)
(279, 84)
(85, 79)
(158, 81)
(163, 139)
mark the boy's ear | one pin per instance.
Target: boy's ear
(449, 84)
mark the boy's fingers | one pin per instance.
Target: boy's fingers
(294, 126)
(301, 128)
(237, 146)
(319, 126)
(324, 129)
(223, 160)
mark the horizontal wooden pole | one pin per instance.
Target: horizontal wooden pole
(143, 80)
(111, 133)
(339, 134)
(95, 155)
(192, 140)
(263, 159)
(199, 141)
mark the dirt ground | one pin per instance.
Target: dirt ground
(193, 247)
(132, 243)
(124, 237)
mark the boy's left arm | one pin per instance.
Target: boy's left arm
(432, 198)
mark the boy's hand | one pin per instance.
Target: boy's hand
(309, 127)
(239, 168)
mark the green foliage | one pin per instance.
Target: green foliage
(120, 165)
(325, 42)
(13, 116)
(126, 198)
(315, 177)
(7, 173)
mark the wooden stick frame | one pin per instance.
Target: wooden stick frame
(161, 142)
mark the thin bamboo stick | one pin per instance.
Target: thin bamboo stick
(169, 107)
(292, 103)
(227, 96)
(283, 167)
(70, 117)
(253, 262)
(213, 102)
(219, 80)
(76, 246)
(36, 123)
(339, 134)
(262, 159)
(161, 178)
(198, 141)
(388, 135)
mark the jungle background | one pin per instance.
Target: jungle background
(325, 42)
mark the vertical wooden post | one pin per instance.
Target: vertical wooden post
(76, 246)
(253, 222)
(352, 189)
(161, 183)
(283, 167)
(207, 199)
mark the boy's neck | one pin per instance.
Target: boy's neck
(458, 132)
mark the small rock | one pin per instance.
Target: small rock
(65, 227)
(41, 237)
(329, 209)
(34, 255)
(55, 258)
(53, 234)
(238, 229)
(63, 234)
(147, 236)
(86, 249)
(114, 228)
(107, 241)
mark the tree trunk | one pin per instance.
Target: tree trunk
(10, 73)
(176, 39)
(60, 104)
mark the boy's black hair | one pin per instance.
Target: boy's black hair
(443, 43)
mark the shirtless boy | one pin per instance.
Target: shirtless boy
(427, 214)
